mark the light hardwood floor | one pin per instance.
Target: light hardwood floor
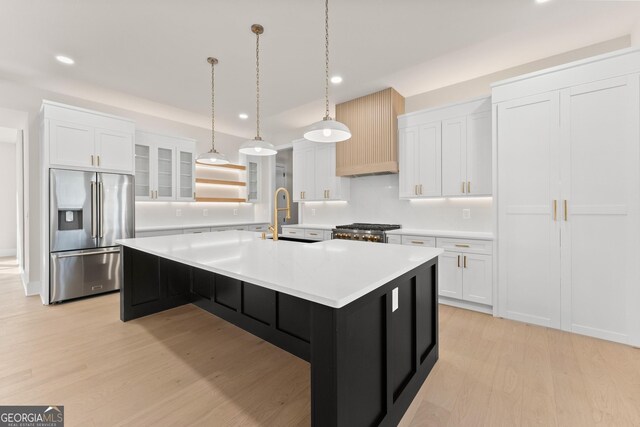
(187, 367)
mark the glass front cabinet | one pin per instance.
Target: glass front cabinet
(165, 167)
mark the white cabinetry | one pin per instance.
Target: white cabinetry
(83, 139)
(569, 197)
(306, 233)
(446, 151)
(314, 173)
(420, 160)
(466, 270)
(165, 167)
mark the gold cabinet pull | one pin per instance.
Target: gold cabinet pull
(92, 163)
(458, 261)
(98, 160)
(421, 189)
(465, 261)
(555, 210)
(463, 187)
(415, 189)
(313, 234)
(468, 187)
(417, 242)
(566, 210)
(461, 245)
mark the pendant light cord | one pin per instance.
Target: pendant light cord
(213, 107)
(326, 58)
(257, 85)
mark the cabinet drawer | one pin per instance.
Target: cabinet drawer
(259, 227)
(197, 230)
(293, 232)
(394, 239)
(429, 242)
(466, 245)
(314, 234)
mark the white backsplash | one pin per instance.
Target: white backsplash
(375, 199)
(161, 214)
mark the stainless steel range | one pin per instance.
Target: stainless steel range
(365, 232)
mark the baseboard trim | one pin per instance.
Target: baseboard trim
(487, 309)
(8, 252)
(30, 288)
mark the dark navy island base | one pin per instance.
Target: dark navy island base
(367, 361)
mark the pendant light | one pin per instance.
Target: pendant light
(256, 146)
(212, 157)
(327, 130)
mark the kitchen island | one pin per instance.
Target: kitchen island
(363, 314)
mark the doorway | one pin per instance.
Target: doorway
(284, 178)
(12, 194)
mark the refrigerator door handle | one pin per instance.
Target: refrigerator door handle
(101, 209)
(94, 210)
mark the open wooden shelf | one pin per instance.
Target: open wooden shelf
(220, 199)
(220, 182)
(229, 166)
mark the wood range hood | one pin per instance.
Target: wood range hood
(373, 121)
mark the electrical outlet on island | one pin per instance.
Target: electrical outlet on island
(205, 212)
(235, 211)
(466, 213)
(178, 212)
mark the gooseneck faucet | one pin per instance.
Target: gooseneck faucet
(274, 228)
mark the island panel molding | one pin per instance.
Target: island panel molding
(368, 358)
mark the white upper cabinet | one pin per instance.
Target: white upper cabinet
(446, 151)
(165, 167)
(314, 173)
(454, 156)
(420, 159)
(114, 149)
(569, 197)
(71, 144)
(82, 139)
(304, 172)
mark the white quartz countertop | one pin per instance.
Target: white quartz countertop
(482, 235)
(332, 272)
(189, 226)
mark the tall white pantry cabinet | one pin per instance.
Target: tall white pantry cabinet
(567, 143)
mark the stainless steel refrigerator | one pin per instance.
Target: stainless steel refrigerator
(89, 211)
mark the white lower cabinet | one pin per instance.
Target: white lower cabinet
(466, 276)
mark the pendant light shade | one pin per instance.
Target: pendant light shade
(327, 130)
(256, 146)
(212, 157)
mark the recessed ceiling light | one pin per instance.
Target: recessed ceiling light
(243, 116)
(65, 60)
(542, 1)
(336, 80)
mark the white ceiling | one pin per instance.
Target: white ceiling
(152, 53)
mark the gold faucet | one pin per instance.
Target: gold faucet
(274, 228)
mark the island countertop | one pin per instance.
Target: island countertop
(332, 273)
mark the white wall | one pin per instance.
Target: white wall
(8, 200)
(375, 199)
